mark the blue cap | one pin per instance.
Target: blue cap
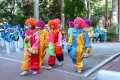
(19, 27)
(6, 26)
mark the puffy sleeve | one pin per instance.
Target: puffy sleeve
(87, 42)
(70, 40)
(92, 33)
(59, 39)
(35, 47)
(46, 39)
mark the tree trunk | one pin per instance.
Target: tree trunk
(106, 21)
(62, 14)
(36, 10)
(88, 9)
(114, 20)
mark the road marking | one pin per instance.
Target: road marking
(43, 67)
(96, 54)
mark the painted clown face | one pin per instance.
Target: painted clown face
(87, 25)
(77, 25)
(52, 26)
(30, 26)
(40, 27)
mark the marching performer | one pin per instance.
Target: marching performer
(55, 44)
(31, 41)
(8, 39)
(78, 41)
(44, 40)
(71, 27)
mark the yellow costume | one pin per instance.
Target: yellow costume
(44, 41)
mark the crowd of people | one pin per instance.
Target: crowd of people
(35, 39)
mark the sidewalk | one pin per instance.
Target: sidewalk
(113, 66)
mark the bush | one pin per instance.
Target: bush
(111, 35)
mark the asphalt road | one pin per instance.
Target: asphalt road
(99, 53)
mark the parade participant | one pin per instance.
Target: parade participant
(90, 31)
(99, 30)
(104, 35)
(71, 27)
(44, 40)
(20, 41)
(12, 33)
(16, 38)
(55, 44)
(78, 41)
(31, 41)
(2, 36)
(61, 28)
(8, 39)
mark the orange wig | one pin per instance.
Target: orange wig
(31, 21)
(53, 22)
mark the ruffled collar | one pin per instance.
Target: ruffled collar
(32, 32)
(54, 31)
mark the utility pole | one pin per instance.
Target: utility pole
(36, 10)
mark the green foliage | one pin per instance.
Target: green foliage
(49, 11)
(95, 21)
(74, 9)
(99, 8)
(111, 35)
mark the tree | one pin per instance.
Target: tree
(74, 9)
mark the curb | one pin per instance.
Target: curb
(101, 64)
(108, 75)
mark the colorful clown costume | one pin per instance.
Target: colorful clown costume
(55, 44)
(55, 41)
(31, 57)
(32, 54)
(78, 41)
(44, 43)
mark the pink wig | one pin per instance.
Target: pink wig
(41, 23)
(71, 23)
(88, 22)
(80, 21)
(58, 20)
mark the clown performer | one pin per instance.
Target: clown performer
(8, 39)
(78, 41)
(62, 30)
(71, 27)
(90, 31)
(55, 44)
(44, 40)
(31, 41)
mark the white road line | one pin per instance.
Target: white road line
(43, 67)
